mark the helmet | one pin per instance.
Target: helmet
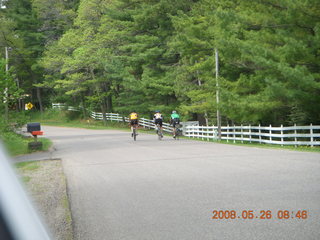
(157, 111)
(174, 112)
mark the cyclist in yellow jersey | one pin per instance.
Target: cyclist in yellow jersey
(134, 120)
(158, 119)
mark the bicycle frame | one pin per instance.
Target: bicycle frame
(176, 133)
(134, 131)
(159, 132)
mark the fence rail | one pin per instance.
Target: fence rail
(59, 105)
(292, 135)
(295, 135)
(146, 123)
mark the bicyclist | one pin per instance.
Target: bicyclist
(174, 120)
(134, 121)
(157, 117)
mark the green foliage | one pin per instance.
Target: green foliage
(73, 115)
(17, 144)
(268, 52)
(60, 118)
(122, 55)
(27, 166)
(13, 93)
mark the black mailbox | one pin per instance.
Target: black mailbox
(33, 127)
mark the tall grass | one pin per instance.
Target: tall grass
(13, 142)
(62, 118)
(17, 144)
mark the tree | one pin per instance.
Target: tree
(268, 55)
(13, 93)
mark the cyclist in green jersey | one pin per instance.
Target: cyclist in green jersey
(174, 120)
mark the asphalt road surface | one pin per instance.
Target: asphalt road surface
(151, 189)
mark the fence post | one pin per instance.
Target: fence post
(270, 133)
(241, 134)
(202, 134)
(250, 132)
(193, 131)
(259, 133)
(234, 133)
(228, 132)
(281, 135)
(208, 130)
(311, 134)
(295, 135)
(198, 134)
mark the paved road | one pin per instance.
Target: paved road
(150, 189)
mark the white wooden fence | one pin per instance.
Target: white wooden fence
(294, 135)
(59, 105)
(146, 123)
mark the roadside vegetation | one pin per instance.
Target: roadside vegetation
(17, 144)
(27, 166)
(263, 145)
(60, 118)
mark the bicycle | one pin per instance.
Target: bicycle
(159, 132)
(177, 132)
(134, 132)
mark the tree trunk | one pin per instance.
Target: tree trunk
(104, 108)
(39, 99)
(84, 112)
(206, 118)
(109, 104)
(108, 99)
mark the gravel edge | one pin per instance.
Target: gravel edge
(46, 185)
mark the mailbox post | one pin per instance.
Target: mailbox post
(35, 130)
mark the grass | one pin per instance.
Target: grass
(26, 179)
(263, 145)
(27, 166)
(17, 144)
(24, 167)
(63, 119)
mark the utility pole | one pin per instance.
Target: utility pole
(200, 84)
(6, 88)
(217, 94)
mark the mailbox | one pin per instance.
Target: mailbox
(31, 127)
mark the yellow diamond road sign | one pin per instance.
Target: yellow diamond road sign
(28, 106)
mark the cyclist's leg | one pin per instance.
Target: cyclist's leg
(174, 131)
(161, 129)
(131, 127)
(157, 124)
(136, 127)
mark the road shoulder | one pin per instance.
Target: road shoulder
(46, 184)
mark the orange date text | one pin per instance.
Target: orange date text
(259, 214)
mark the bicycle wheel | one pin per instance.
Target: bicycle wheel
(174, 133)
(178, 132)
(159, 133)
(134, 134)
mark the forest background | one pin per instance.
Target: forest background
(146, 55)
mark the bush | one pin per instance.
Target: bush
(16, 120)
(13, 142)
(73, 115)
